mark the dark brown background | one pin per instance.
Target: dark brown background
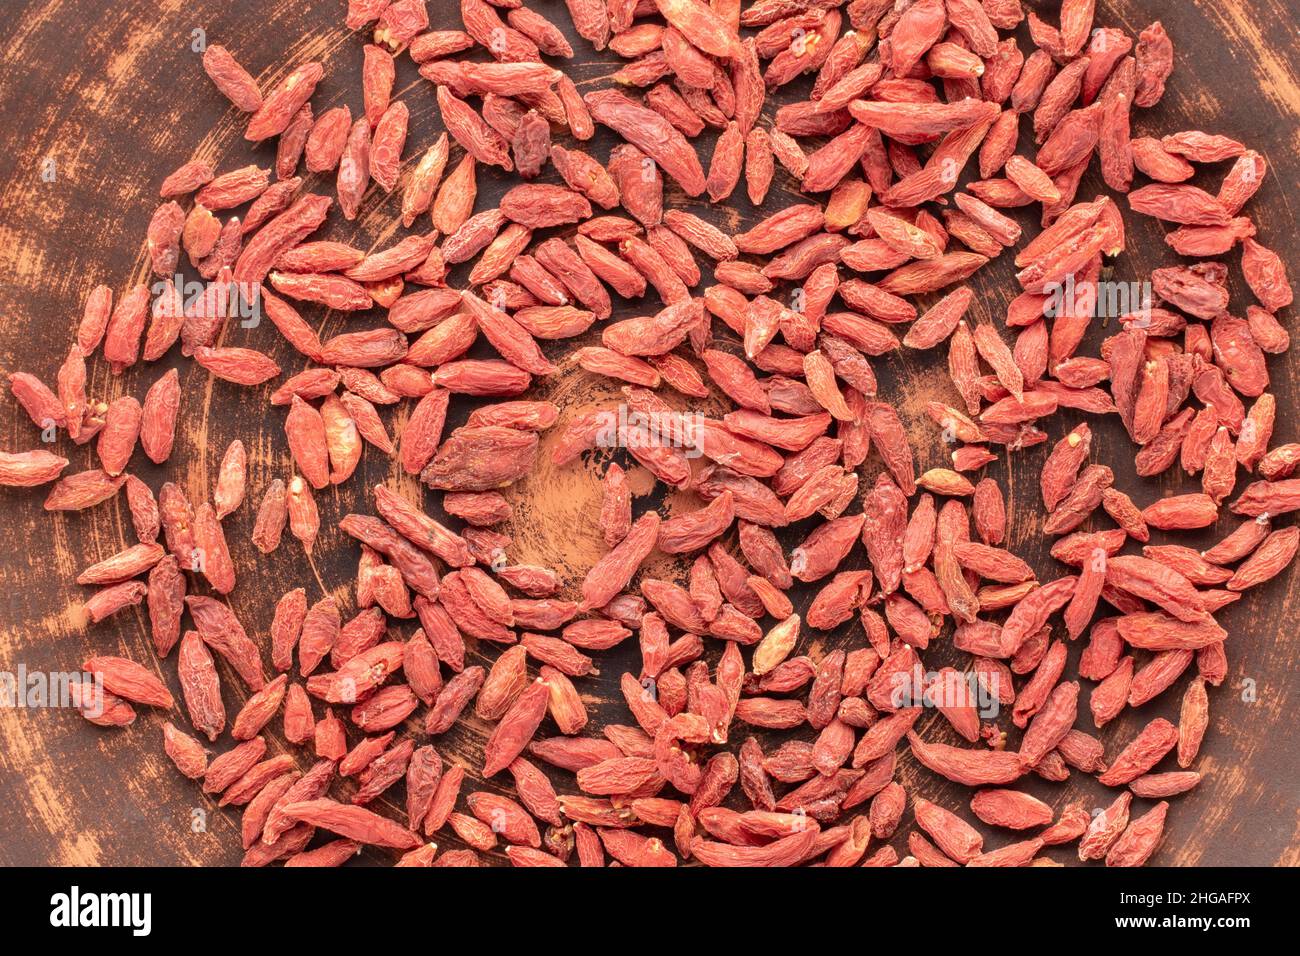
(113, 94)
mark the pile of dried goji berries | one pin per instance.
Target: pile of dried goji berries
(908, 99)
